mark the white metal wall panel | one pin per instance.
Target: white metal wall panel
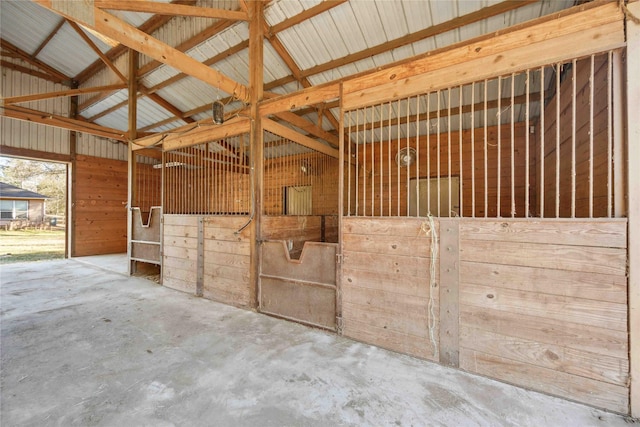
(91, 145)
(15, 13)
(27, 135)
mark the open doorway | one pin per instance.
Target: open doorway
(33, 210)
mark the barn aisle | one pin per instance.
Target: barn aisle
(85, 346)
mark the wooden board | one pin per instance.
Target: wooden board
(300, 301)
(317, 262)
(449, 291)
(180, 252)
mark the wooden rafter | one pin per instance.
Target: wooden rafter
(26, 114)
(59, 94)
(170, 9)
(48, 38)
(35, 62)
(309, 127)
(299, 138)
(305, 15)
(97, 50)
(34, 73)
(116, 29)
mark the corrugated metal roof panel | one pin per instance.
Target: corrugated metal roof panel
(18, 15)
(109, 102)
(189, 93)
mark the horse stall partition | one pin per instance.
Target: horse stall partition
(299, 233)
(146, 210)
(207, 202)
(483, 227)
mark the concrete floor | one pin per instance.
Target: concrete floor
(82, 346)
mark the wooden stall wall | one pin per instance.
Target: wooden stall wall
(204, 256)
(100, 222)
(582, 141)
(385, 284)
(543, 305)
(227, 260)
(377, 169)
(284, 172)
(180, 252)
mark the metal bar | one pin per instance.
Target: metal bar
(486, 141)
(381, 163)
(389, 157)
(418, 155)
(357, 171)
(373, 162)
(429, 152)
(408, 168)
(542, 132)
(349, 167)
(619, 202)
(513, 141)
(573, 137)
(438, 153)
(499, 160)
(558, 67)
(527, 161)
(398, 166)
(473, 152)
(460, 168)
(449, 150)
(591, 87)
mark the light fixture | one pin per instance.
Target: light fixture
(217, 112)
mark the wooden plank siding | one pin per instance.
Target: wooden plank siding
(385, 284)
(226, 261)
(376, 169)
(543, 305)
(582, 139)
(100, 222)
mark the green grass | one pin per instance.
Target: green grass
(31, 245)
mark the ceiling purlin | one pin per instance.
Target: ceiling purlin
(34, 73)
(48, 38)
(58, 94)
(461, 21)
(35, 62)
(171, 9)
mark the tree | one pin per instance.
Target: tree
(46, 178)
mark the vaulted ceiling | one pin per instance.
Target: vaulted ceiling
(306, 43)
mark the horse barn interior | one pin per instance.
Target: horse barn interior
(451, 180)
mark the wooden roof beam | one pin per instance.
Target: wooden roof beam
(296, 137)
(171, 9)
(48, 38)
(34, 73)
(29, 115)
(35, 62)
(148, 27)
(309, 127)
(97, 50)
(117, 29)
(59, 94)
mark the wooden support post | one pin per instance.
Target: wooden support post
(449, 284)
(133, 118)
(633, 203)
(256, 92)
(341, 160)
(69, 230)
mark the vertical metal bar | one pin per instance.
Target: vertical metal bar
(364, 162)
(398, 150)
(609, 132)
(408, 168)
(348, 142)
(418, 154)
(473, 152)
(513, 142)
(460, 167)
(449, 207)
(486, 152)
(373, 160)
(499, 142)
(574, 66)
(429, 152)
(438, 153)
(381, 160)
(389, 157)
(542, 132)
(357, 171)
(591, 90)
(526, 149)
(558, 67)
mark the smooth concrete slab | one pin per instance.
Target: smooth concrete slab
(82, 346)
(117, 263)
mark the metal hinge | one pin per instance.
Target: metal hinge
(339, 258)
(339, 325)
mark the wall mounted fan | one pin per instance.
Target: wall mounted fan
(406, 156)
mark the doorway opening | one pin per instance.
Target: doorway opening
(33, 210)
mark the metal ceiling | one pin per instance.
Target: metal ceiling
(315, 45)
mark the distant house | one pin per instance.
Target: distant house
(17, 204)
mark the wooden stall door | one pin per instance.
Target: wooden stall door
(303, 290)
(145, 236)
